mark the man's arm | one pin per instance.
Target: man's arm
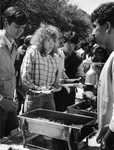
(108, 139)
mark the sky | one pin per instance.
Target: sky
(88, 5)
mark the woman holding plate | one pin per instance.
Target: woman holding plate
(39, 69)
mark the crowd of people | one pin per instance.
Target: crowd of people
(46, 57)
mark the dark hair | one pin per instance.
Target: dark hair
(83, 44)
(104, 13)
(39, 36)
(15, 14)
(66, 38)
(26, 42)
(102, 51)
(74, 39)
(21, 40)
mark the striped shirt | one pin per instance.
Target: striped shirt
(38, 70)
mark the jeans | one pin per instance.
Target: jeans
(45, 101)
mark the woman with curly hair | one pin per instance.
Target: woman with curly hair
(40, 68)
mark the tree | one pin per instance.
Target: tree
(55, 12)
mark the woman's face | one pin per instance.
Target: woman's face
(58, 41)
(48, 44)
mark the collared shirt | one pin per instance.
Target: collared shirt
(38, 70)
(7, 70)
(6, 41)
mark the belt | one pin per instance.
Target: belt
(34, 94)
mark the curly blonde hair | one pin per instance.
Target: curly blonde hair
(41, 34)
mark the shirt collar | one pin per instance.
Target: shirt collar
(4, 40)
(8, 43)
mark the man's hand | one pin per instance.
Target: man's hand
(8, 105)
(106, 138)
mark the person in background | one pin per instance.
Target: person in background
(72, 57)
(19, 99)
(14, 20)
(61, 57)
(103, 30)
(65, 98)
(39, 69)
(84, 49)
(86, 55)
(98, 54)
(83, 52)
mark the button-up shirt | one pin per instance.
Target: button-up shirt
(7, 70)
(38, 70)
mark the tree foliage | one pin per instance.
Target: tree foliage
(55, 12)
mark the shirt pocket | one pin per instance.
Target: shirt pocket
(5, 83)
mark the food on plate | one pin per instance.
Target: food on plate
(68, 81)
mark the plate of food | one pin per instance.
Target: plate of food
(42, 90)
(69, 84)
(70, 81)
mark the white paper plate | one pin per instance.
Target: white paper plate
(70, 80)
(69, 84)
(45, 91)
